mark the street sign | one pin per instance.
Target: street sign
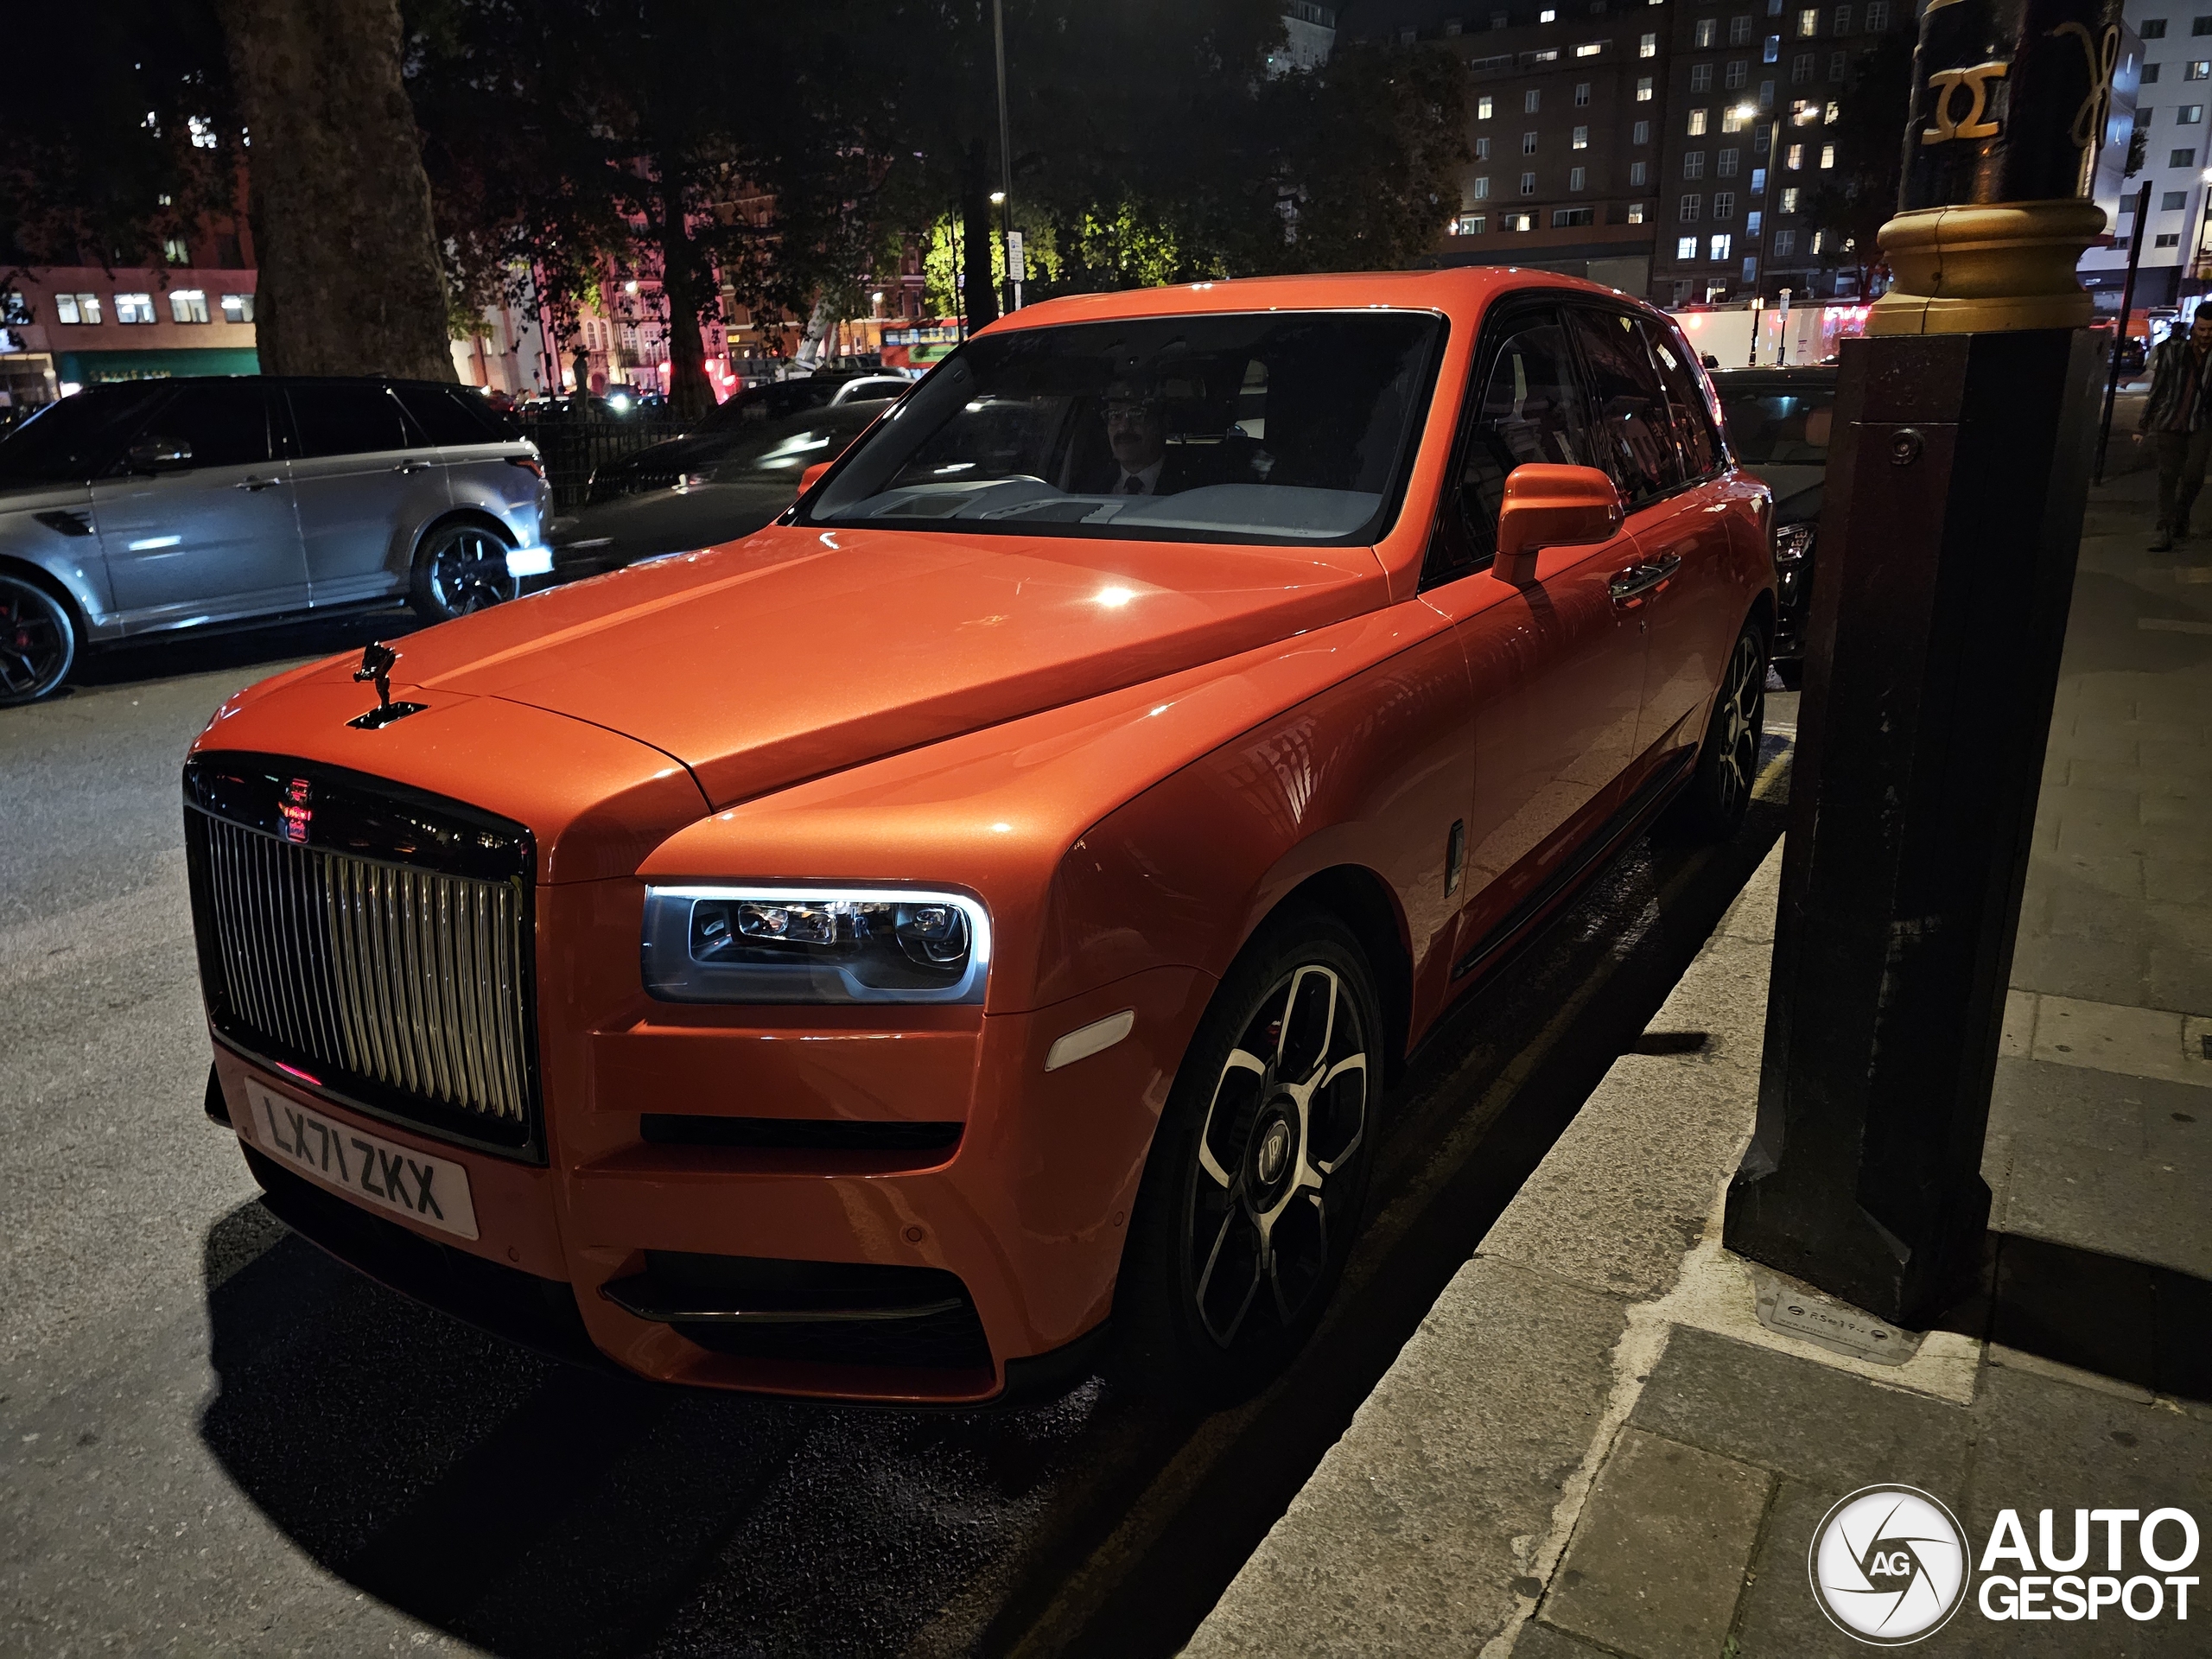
(1015, 266)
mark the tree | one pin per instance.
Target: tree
(127, 135)
(350, 280)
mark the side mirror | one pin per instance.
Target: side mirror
(159, 454)
(1549, 505)
(812, 476)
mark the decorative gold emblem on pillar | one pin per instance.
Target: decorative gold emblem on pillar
(1995, 208)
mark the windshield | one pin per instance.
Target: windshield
(1776, 427)
(1269, 427)
(795, 444)
(76, 437)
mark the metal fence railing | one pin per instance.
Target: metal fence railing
(572, 449)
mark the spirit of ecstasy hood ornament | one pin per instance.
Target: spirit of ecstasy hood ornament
(377, 661)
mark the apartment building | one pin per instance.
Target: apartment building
(1563, 127)
(2170, 44)
(1754, 94)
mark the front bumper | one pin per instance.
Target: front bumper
(646, 1210)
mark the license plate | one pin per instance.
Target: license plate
(366, 1168)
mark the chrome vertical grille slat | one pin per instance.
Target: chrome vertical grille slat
(412, 979)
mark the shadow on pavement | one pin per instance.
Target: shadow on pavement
(2144, 1324)
(532, 1508)
(196, 652)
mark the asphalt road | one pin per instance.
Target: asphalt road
(214, 1439)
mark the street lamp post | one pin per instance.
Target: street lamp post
(1956, 488)
(1004, 197)
(1748, 112)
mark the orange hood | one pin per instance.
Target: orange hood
(796, 652)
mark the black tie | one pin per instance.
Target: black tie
(1132, 484)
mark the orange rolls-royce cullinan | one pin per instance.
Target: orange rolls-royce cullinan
(972, 921)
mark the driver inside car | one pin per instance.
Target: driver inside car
(1136, 432)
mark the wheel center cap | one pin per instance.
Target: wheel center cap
(1275, 1152)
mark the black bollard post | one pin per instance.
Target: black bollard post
(1956, 491)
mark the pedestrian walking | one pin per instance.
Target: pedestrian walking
(2178, 425)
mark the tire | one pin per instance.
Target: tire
(461, 568)
(1791, 674)
(1257, 1179)
(38, 640)
(1713, 805)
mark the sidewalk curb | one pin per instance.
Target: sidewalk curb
(1440, 1517)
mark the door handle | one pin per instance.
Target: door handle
(1630, 587)
(411, 466)
(253, 484)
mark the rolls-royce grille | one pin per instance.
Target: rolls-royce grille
(402, 989)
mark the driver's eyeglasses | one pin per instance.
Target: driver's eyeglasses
(1123, 412)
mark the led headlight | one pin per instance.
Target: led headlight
(814, 945)
(1792, 543)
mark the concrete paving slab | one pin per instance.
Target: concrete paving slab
(2067, 1105)
(1542, 1641)
(2117, 1203)
(1797, 1416)
(2108, 1037)
(1659, 1557)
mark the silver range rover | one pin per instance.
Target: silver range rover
(136, 509)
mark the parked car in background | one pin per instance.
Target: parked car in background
(157, 506)
(1779, 423)
(974, 921)
(725, 433)
(729, 486)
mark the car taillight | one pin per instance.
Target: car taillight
(530, 464)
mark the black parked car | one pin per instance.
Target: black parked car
(1778, 425)
(706, 489)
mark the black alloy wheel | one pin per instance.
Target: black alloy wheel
(461, 568)
(1718, 795)
(1258, 1174)
(38, 641)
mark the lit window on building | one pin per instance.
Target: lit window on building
(1789, 200)
(1796, 157)
(1771, 52)
(1470, 224)
(1808, 23)
(1697, 118)
(1581, 139)
(1828, 156)
(1483, 107)
(1720, 245)
(1686, 247)
(1636, 213)
(176, 251)
(1643, 89)
(237, 308)
(1648, 47)
(1707, 34)
(1589, 49)
(1517, 222)
(134, 307)
(187, 305)
(77, 308)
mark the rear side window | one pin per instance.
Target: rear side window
(448, 415)
(1700, 445)
(1528, 406)
(1636, 430)
(346, 418)
(226, 421)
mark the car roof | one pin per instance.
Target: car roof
(1459, 292)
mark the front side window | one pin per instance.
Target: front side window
(1257, 427)
(1781, 428)
(226, 423)
(1530, 409)
(1636, 434)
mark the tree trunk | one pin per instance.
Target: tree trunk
(976, 236)
(689, 391)
(350, 278)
